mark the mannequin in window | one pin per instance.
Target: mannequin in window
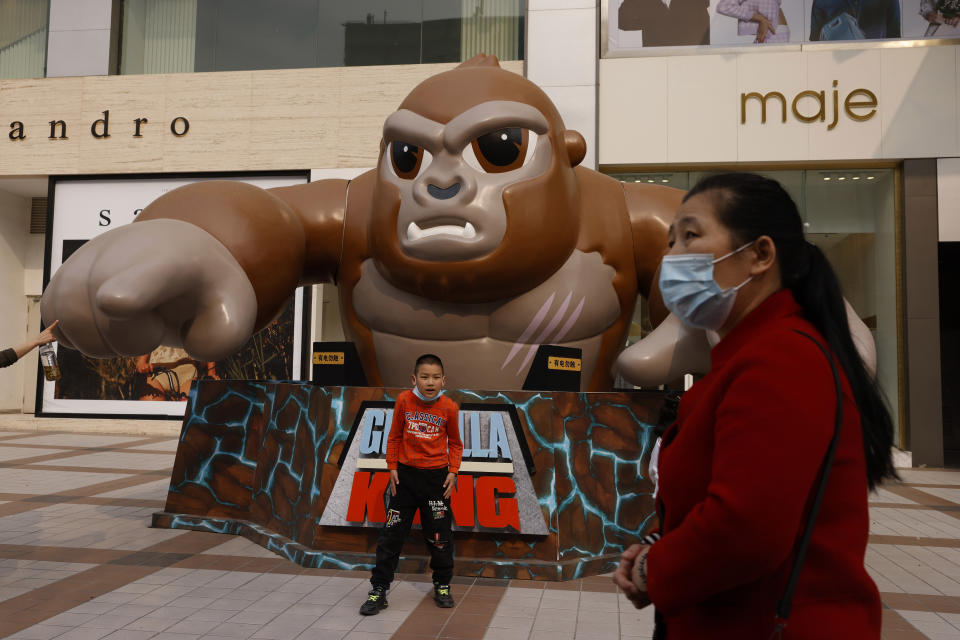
(667, 23)
(761, 18)
(854, 19)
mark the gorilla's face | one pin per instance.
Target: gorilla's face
(451, 177)
(476, 198)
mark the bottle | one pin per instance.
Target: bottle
(48, 359)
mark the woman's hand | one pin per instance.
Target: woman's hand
(46, 336)
(624, 576)
(764, 27)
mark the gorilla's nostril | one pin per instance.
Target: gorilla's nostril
(443, 194)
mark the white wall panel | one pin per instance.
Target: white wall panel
(33, 265)
(948, 199)
(546, 5)
(702, 108)
(561, 53)
(956, 83)
(577, 106)
(79, 15)
(79, 40)
(14, 211)
(918, 87)
(562, 47)
(632, 129)
(78, 53)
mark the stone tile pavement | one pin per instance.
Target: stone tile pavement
(78, 561)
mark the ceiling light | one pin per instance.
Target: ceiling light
(842, 178)
(826, 177)
(856, 177)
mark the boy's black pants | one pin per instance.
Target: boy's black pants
(418, 489)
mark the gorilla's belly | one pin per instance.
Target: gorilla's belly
(489, 345)
(469, 364)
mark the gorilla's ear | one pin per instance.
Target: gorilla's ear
(481, 60)
(576, 146)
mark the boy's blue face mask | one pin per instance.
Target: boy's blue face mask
(690, 292)
(416, 392)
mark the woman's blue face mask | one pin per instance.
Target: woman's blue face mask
(690, 292)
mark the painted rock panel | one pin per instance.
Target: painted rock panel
(553, 484)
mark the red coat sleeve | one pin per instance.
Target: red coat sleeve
(454, 444)
(771, 432)
(395, 439)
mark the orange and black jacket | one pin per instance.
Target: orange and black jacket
(425, 435)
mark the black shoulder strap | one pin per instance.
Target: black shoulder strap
(783, 606)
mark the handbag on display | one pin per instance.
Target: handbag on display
(946, 8)
(843, 27)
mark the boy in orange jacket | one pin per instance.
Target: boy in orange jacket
(423, 456)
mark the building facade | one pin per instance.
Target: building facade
(863, 132)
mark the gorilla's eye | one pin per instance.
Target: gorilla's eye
(407, 159)
(501, 150)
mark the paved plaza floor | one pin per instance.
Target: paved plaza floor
(79, 561)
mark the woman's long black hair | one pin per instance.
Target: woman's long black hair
(751, 206)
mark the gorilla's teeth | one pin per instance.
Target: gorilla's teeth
(413, 232)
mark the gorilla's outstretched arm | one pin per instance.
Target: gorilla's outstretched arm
(651, 209)
(203, 267)
(672, 350)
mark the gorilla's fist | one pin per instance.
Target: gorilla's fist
(153, 282)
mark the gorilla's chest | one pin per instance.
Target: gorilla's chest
(489, 345)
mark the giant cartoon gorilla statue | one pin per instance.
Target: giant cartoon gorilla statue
(477, 237)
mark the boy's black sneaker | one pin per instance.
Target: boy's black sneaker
(441, 593)
(376, 600)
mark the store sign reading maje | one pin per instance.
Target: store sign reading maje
(99, 129)
(860, 105)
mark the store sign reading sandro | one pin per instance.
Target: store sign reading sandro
(99, 128)
(811, 106)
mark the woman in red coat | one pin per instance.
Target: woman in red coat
(739, 468)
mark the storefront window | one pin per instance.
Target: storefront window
(653, 27)
(172, 36)
(852, 217)
(23, 38)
